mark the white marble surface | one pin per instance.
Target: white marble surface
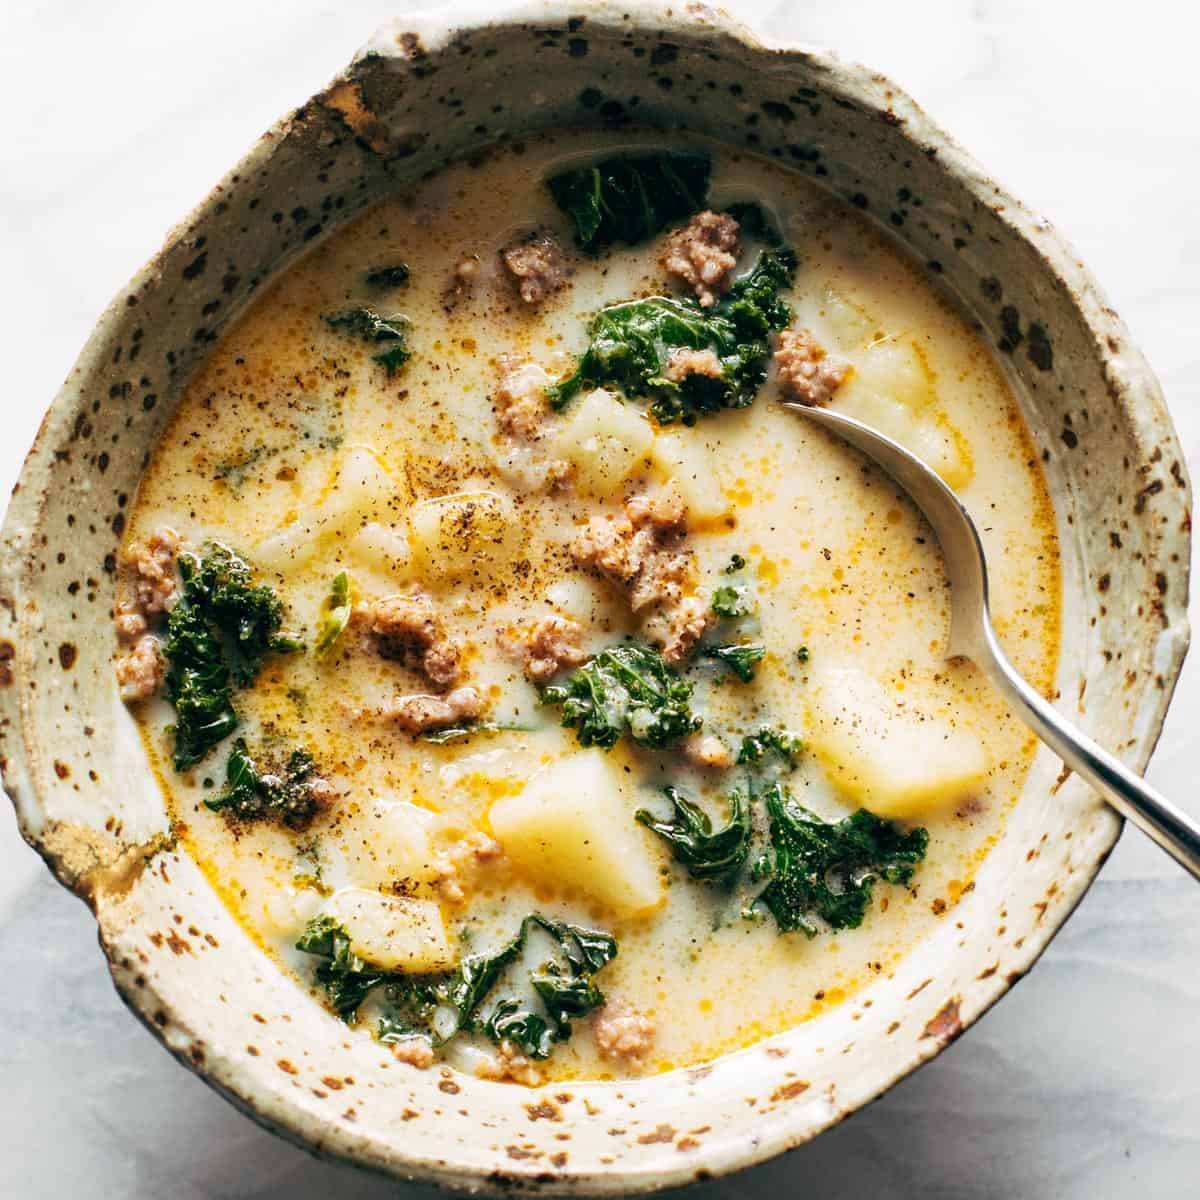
(1085, 1082)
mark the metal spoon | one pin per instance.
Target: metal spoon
(972, 636)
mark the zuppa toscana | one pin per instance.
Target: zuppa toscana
(528, 681)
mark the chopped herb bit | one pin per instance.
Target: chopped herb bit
(626, 689)
(292, 795)
(732, 600)
(825, 871)
(631, 197)
(706, 853)
(736, 563)
(631, 344)
(234, 472)
(217, 637)
(802, 654)
(742, 660)
(369, 326)
(387, 277)
(786, 745)
(460, 733)
(335, 614)
(562, 987)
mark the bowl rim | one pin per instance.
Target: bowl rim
(1135, 385)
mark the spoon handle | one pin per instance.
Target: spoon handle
(1173, 830)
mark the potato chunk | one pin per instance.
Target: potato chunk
(573, 824)
(605, 440)
(395, 845)
(467, 533)
(885, 751)
(394, 932)
(892, 389)
(687, 459)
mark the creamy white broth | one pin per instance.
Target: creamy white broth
(294, 447)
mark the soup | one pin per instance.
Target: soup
(532, 684)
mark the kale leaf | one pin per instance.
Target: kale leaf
(335, 614)
(560, 988)
(630, 346)
(289, 794)
(707, 853)
(217, 637)
(787, 746)
(393, 276)
(826, 870)
(631, 197)
(368, 326)
(742, 659)
(732, 601)
(626, 689)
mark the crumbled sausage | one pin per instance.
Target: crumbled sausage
(547, 645)
(537, 266)
(622, 1033)
(419, 713)
(641, 552)
(509, 1065)
(520, 397)
(461, 859)
(154, 586)
(707, 750)
(684, 362)
(408, 625)
(131, 622)
(140, 671)
(703, 254)
(806, 371)
(415, 1051)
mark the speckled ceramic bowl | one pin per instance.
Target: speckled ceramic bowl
(422, 90)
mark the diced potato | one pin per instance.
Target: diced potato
(467, 533)
(885, 752)
(892, 389)
(361, 489)
(688, 460)
(381, 548)
(848, 320)
(394, 846)
(573, 824)
(393, 932)
(606, 441)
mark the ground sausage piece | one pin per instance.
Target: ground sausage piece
(408, 625)
(462, 858)
(520, 397)
(685, 362)
(703, 254)
(140, 672)
(622, 1033)
(131, 623)
(537, 266)
(415, 1051)
(509, 1065)
(679, 627)
(547, 645)
(664, 511)
(155, 587)
(806, 372)
(418, 713)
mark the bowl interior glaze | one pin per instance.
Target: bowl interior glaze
(421, 91)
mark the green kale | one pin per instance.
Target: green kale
(732, 601)
(561, 988)
(235, 472)
(741, 659)
(802, 654)
(217, 637)
(631, 344)
(825, 871)
(368, 326)
(335, 614)
(755, 223)
(291, 794)
(787, 746)
(346, 978)
(735, 564)
(626, 689)
(631, 197)
(707, 853)
(393, 276)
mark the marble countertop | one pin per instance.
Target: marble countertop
(1085, 1081)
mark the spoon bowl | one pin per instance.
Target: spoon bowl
(973, 636)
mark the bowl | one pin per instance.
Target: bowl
(439, 85)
